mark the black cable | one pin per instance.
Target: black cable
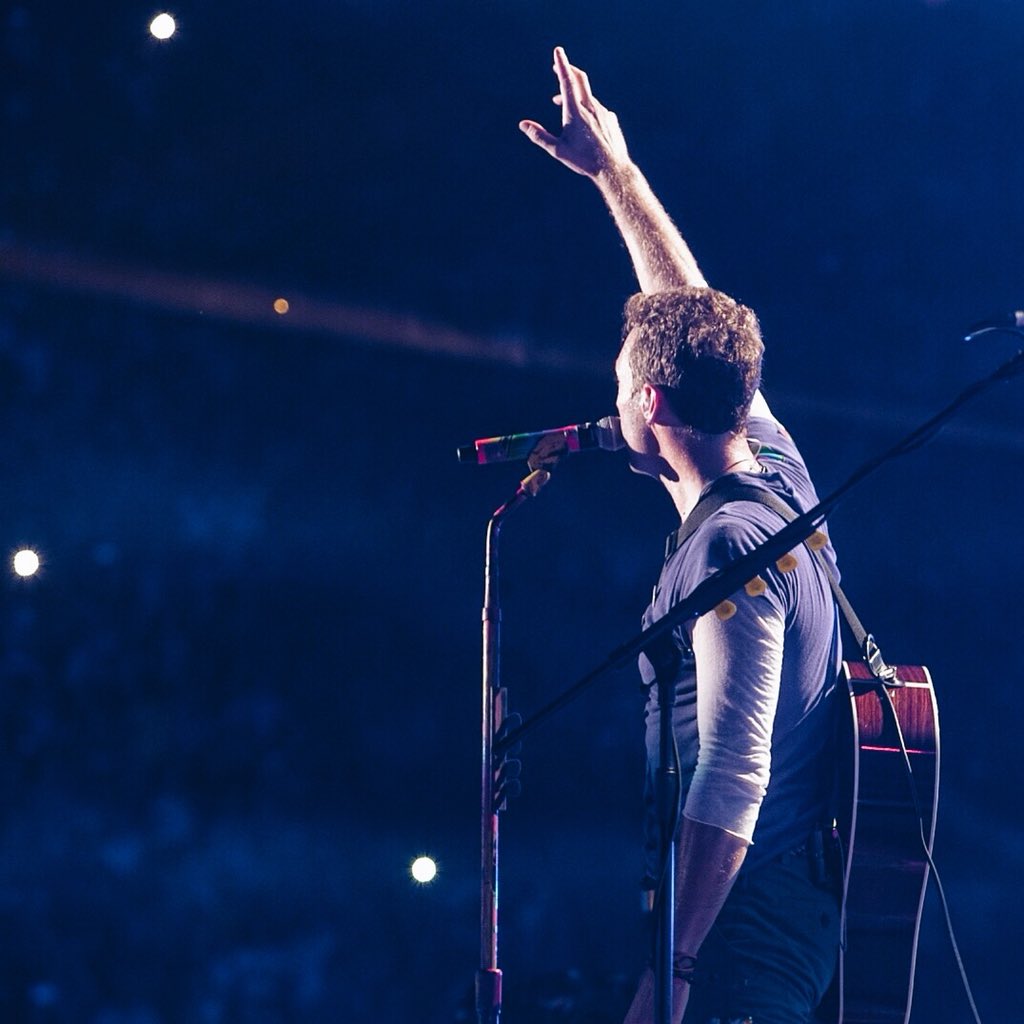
(928, 855)
(668, 827)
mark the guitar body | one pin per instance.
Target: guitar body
(886, 868)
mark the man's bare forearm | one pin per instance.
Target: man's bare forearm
(709, 859)
(661, 258)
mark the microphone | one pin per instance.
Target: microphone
(1007, 322)
(604, 434)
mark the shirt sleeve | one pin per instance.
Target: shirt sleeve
(738, 655)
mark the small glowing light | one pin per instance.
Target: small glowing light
(162, 26)
(26, 562)
(423, 870)
(281, 306)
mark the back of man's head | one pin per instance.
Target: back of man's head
(702, 348)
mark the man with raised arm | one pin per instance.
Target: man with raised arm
(757, 892)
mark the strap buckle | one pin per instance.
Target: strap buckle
(884, 673)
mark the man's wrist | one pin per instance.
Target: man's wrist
(683, 967)
(616, 177)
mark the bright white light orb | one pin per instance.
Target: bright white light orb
(162, 26)
(423, 870)
(26, 562)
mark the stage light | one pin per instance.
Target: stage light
(26, 562)
(281, 306)
(424, 870)
(162, 26)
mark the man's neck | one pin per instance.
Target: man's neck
(698, 460)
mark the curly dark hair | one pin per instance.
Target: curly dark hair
(703, 348)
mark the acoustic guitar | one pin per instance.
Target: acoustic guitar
(886, 821)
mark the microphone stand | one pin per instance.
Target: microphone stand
(497, 774)
(656, 641)
(664, 656)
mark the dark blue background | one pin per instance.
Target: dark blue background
(242, 693)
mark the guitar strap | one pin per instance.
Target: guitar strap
(730, 488)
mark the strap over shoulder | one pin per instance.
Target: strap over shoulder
(730, 488)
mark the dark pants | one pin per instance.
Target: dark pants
(772, 951)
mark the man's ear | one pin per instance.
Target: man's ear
(650, 400)
(655, 407)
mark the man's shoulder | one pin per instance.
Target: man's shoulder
(727, 533)
(771, 441)
(777, 452)
(734, 529)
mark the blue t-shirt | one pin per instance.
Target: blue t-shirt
(755, 725)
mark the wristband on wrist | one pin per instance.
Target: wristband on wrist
(683, 968)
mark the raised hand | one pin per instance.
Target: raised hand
(591, 144)
(591, 139)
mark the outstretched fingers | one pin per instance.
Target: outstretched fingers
(584, 145)
(576, 78)
(539, 135)
(582, 84)
(572, 95)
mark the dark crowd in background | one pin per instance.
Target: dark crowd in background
(241, 693)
